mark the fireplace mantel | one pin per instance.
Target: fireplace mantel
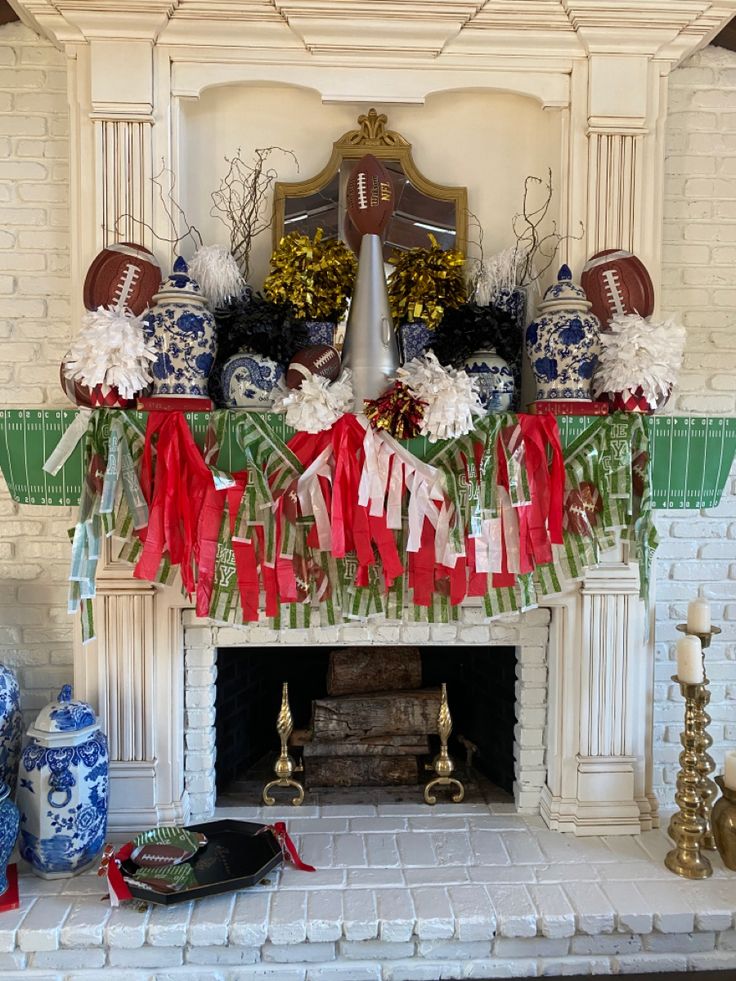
(602, 67)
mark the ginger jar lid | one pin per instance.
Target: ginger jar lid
(179, 286)
(65, 721)
(564, 293)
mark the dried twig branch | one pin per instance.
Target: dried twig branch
(240, 202)
(531, 244)
(172, 209)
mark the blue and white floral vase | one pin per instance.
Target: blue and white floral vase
(320, 331)
(248, 381)
(495, 379)
(414, 339)
(63, 789)
(182, 330)
(9, 823)
(563, 342)
(11, 727)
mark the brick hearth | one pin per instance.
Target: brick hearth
(402, 893)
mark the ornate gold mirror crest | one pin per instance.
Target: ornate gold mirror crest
(422, 206)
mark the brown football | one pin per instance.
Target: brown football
(306, 573)
(122, 274)
(154, 855)
(290, 505)
(74, 390)
(370, 196)
(582, 506)
(617, 282)
(317, 359)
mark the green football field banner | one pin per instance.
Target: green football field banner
(691, 456)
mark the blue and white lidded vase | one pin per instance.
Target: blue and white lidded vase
(11, 727)
(9, 822)
(563, 342)
(182, 329)
(495, 379)
(248, 381)
(63, 789)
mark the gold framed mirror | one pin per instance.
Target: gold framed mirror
(421, 207)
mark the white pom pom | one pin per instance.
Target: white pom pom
(498, 272)
(111, 349)
(317, 404)
(451, 396)
(638, 353)
(216, 271)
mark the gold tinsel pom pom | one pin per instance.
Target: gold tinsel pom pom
(425, 283)
(315, 275)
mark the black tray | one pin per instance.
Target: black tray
(236, 855)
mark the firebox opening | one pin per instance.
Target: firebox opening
(481, 694)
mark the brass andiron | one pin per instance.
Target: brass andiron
(706, 764)
(442, 764)
(687, 827)
(724, 825)
(284, 766)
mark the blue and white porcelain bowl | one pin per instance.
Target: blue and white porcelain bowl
(182, 330)
(249, 380)
(63, 789)
(495, 379)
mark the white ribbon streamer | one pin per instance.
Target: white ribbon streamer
(68, 442)
(312, 500)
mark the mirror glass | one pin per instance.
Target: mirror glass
(421, 206)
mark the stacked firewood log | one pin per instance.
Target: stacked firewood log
(372, 728)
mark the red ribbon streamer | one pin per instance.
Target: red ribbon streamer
(175, 495)
(288, 848)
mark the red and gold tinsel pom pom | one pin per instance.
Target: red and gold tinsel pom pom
(397, 411)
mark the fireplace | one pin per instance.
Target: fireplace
(481, 683)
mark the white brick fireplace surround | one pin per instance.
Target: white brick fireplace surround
(403, 892)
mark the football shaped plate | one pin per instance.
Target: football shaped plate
(617, 282)
(124, 275)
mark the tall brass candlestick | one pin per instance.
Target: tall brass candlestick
(284, 766)
(706, 764)
(687, 827)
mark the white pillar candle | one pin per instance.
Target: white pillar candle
(698, 617)
(689, 660)
(729, 769)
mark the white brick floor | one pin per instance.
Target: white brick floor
(404, 892)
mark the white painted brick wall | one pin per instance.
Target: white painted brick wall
(698, 551)
(698, 284)
(35, 629)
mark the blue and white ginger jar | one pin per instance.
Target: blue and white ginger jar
(11, 727)
(182, 330)
(563, 342)
(9, 822)
(63, 789)
(495, 379)
(248, 381)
